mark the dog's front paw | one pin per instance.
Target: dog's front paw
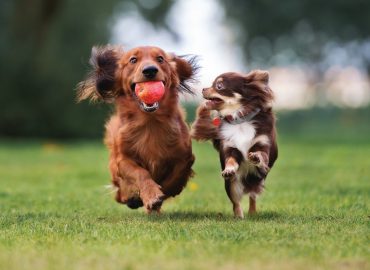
(229, 172)
(154, 203)
(255, 158)
(203, 111)
(152, 196)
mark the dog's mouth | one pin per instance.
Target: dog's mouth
(146, 107)
(149, 107)
(213, 101)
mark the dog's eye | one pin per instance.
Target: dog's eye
(160, 59)
(133, 60)
(219, 86)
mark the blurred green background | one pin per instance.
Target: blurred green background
(45, 46)
(314, 214)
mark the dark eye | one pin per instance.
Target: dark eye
(133, 60)
(219, 86)
(160, 59)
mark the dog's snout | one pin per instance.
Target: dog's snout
(150, 71)
(204, 89)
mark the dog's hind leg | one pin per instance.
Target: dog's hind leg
(179, 176)
(235, 191)
(231, 158)
(252, 204)
(238, 211)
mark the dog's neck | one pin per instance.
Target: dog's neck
(240, 116)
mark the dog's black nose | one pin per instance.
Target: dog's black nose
(203, 90)
(150, 71)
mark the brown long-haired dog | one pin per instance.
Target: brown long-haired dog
(244, 134)
(150, 146)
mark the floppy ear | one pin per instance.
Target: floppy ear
(101, 83)
(186, 68)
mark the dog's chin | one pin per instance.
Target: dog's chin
(149, 107)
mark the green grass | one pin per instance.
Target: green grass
(56, 214)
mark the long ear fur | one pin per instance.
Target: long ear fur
(258, 80)
(101, 82)
(259, 76)
(187, 69)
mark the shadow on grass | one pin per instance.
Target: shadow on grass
(204, 216)
(195, 216)
(178, 216)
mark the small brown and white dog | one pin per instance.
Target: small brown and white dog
(244, 132)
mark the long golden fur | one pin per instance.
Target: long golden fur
(150, 151)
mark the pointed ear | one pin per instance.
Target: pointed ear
(101, 83)
(257, 81)
(258, 76)
(186, 67)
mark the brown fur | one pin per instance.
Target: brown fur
(150, 152)
(233, 95)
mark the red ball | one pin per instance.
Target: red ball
(150, 92)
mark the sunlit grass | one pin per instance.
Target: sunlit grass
(56, 214)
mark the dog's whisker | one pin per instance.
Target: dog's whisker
(110, 189)
(110, 192)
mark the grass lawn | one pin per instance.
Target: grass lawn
(56, 214)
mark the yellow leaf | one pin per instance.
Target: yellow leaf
(193, 186)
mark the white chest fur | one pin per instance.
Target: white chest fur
(239, 136)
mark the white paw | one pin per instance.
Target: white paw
(229, 172)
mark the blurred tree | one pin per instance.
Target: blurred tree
(45, 46)
(44, 50)
(312, 33)
(298, 31)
